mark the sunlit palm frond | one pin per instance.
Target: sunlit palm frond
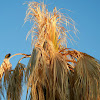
(4, 71)
(4, 75)
(7, 76)
(54, 72)
(14, 89)
(47, 70)
(31, 63)
(87, 79)
(34, 72)
(48, 77)
(49, 26)
(5, 66)
(1, 90)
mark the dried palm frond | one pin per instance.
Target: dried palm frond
(6, 73)
(31, 62)
(86, 79)
(54, 72)
(47, 77)
(1, 90)
(14, 89)
(32, 71)
(1, 72)
(49, 26)
(4, 68)
(6, 65)
(47, 70)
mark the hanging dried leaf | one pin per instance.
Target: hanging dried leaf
(33, 71)
(87, 79)
(1, 72)
(48, 77)
(14, 89)
(31, 63)
(60, 78)
(6, 65)
(49, 26)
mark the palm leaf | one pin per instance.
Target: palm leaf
(46, 71)
(87, 79)
(5, 69)
(31, 63)
(14, 89)
(32, 73)
(1, 90)
(60, 71)
(47, 77)
(49, 26)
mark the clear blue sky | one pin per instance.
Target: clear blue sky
(86, 13)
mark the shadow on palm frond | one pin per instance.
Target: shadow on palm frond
(54, 72)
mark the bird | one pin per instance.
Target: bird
(7, 56)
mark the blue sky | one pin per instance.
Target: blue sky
(86, 14)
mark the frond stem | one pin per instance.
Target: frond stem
(28, 55)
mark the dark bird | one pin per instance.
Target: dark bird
(8, 55)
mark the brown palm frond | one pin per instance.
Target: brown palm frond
(14, 89)
(26, 55)
(5, 66)
(4, 71)
(32, 73)
(31, 63)
(47, 77)
(1, 90)
(47, 70)
(86, 79)
(1, 72)
(49, 26)
(54, 72)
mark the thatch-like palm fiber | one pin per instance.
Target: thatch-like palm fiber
(14, 89)
(54, 72)
(51, 77)
(87, 79)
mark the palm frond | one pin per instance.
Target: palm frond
(7, 74)
(32, 74)
(14, 89)
(5, 66)
(1, 90)
(49, 26)
(60, 72)
(54, 72)
(47, 73)
(87, 79)
(47, 77)
(4, 75)
(31, 63)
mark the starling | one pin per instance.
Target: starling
(8, 55)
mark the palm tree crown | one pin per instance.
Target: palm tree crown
(54, 71)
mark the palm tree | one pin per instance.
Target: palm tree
(54, 72)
